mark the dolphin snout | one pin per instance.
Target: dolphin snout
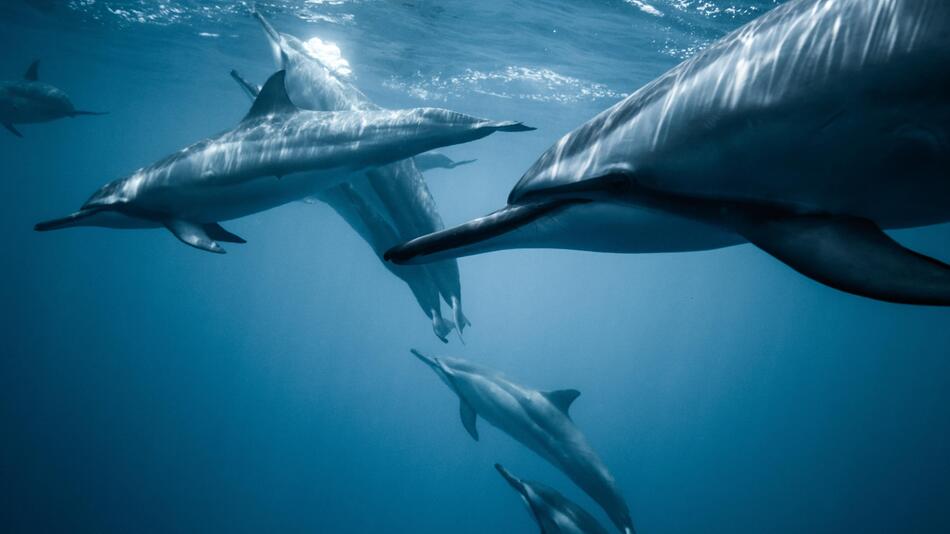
(431, 362)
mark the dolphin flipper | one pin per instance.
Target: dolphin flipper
(193, 234)
(32, 73)
(468, 416)
(457, 241)
(12, 129)
(217, 232)
(851, 254)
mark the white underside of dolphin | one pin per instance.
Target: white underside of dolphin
(805, 132)
(397, 191)
(277, 154)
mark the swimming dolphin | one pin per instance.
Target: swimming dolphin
(400, 188)
(435, 160)
(277, 154)
(555, 513)
(538, 420)
(804, 132)
(375, 230)
(29, 101)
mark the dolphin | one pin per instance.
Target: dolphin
(804, 132)
(538, 420)
(555, 513)
(277, 154)
(400, 188)
(30, 101)
(435, 160)
(375, 230)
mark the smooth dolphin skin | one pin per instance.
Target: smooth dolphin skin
(29, 101)
(538, 420)
(399, 190)
(804, 132)
(554, 513)
(277, 154)
(375, 230)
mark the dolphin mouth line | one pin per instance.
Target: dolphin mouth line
(69, 220)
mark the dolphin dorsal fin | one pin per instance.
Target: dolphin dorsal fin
(467, 413)
(272, 98)
(562, 399)
(32, 73)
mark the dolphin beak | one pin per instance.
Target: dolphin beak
(431, 362)
(67, 221)
(515, 483)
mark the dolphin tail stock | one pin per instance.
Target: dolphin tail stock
(851, 254)
(475, 236)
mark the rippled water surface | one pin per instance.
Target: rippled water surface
(149, 387)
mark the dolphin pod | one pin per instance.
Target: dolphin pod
(379, 233)
(277, 154)
(538, 420)
(29, 101)
(554, 513)
(804, 132)
(398, 189)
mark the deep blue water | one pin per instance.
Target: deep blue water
(149, 387)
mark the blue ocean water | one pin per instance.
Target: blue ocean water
(149, 387)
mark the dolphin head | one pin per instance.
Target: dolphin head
(436, 365)
(514, 481)
(108, 207)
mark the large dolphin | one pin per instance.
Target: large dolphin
(554, 513)
(30, 101)
(277, 154)
(803, 132)
(375, 230)
(538, 420)
(400, 188)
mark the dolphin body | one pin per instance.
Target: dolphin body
(539, 421)
(277, 154)
(555, 513)
(30, 101)
(804, 132)
(398, 190)
(375, 230)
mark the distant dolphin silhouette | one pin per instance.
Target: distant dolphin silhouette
(375, 230)
(554, 513)
(270, 158)
(400, 188)
(803, 132)
(30, 101)
(538, 420)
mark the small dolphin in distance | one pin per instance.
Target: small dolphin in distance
(554, 513)
(29, 101)
(277, 154)
(537, 420)
(805, 132)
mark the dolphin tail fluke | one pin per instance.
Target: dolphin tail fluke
(474, 237)
(442, 327)
(460, 319)
(74, 219)
(853, 255)
(79, 112)
(12, 129)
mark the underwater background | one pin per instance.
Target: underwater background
(149, 387)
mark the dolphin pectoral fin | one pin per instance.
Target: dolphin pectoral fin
(468, 418)
(32, 73)
(459, 241)
(193, 234)
(217, 232)
(13, 130)
(562, 399)
(851, 254)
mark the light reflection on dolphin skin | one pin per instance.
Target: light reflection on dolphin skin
(375, 230)
(538, 420)
(29, 101)
(277, 154)
(399, 189)
(803, 132)
(554, 513)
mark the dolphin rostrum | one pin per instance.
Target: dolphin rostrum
(375, 230)
(399, 189)
(29, 101)
(277, 154)
(804, 132)
(538, 420)
(554, 513)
